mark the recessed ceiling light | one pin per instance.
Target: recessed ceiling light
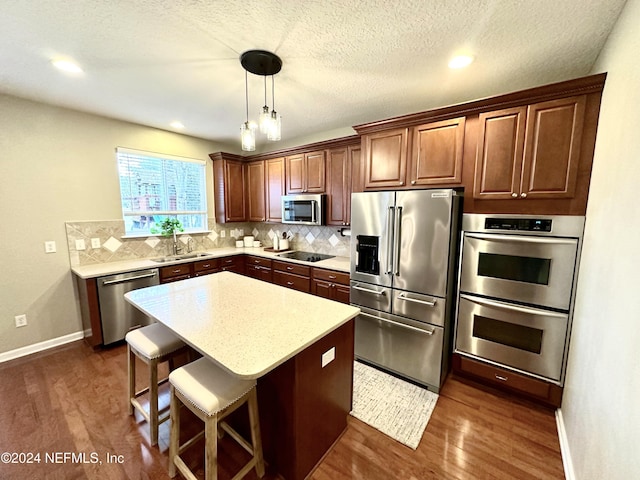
(460, 61)
(66, 65)
(177, 125)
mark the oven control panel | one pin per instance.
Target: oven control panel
(518, 224)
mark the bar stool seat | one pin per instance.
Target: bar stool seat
(153, 345)
(212, 394)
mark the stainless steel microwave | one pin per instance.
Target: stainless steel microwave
(303, 209)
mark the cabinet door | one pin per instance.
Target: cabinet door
(321, 288)
(341, 293)
(436, 155)
(385, 159)
(315, 172)
(234, 191)
(295, 174)
(357, 178)
(338, 186)
(255, 192)
(552, 148)
(275, 188)
(499, 157)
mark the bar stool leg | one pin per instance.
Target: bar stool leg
(256, 439)
(174, 442)
(153, 400)
(131, 364)
(211, 448)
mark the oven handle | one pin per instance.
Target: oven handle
(510, 307)
(368, 290)
(408, 327)
(423, 302)
(521, 239)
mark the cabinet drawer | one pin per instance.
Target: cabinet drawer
(175, 271)
(292, 268)
(204, 265)
(331, 276)
(296, 282)
(263, 262)
(507, 379)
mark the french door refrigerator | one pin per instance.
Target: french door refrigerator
(403, 254)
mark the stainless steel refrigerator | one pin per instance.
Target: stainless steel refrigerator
(403, 254)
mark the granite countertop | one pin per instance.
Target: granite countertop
(341, 264)
(247, 326)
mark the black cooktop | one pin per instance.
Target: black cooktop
(305, 256)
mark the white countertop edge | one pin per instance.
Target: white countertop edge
(341, 264)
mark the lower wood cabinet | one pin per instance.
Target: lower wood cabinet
(234, 264)
(292, 275)
(258, 267)
(173, 273)
(206, 267)
(331, 284)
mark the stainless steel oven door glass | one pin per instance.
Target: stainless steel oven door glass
(524, 338)
(522, 268)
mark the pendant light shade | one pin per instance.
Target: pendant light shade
(261, 62)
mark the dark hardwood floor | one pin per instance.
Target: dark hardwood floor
(73, 401)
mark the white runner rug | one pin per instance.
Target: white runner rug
(395, 407)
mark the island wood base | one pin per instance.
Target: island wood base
(304, 407)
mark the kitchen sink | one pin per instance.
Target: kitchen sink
(186, 256)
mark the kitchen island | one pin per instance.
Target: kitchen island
(299, 347)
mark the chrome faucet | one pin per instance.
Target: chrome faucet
(177, 249)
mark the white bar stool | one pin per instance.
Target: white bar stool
(212, 394)
(153, 345)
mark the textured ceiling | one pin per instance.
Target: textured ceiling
(345, 62)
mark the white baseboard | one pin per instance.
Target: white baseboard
(38, 347)
(567, 463)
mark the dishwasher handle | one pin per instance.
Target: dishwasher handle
(130, 279)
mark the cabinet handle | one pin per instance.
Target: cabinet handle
(332, 277)
(514, 195)
(501, 378)
(289, 268)
(177, 271)
(206, 265)
(523, 195)
(413, 182)
(401, 183)
(289, 283)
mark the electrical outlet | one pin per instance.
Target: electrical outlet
(80, 244)
(21, 320)
(95, 243)
(50, 247)
(223, 233)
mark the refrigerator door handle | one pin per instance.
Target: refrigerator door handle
(397, 324)
(415, 300)
(397, 239)
(390, 237)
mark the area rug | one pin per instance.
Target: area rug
(397, 408)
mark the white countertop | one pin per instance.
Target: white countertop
(341, 264)
(247, 326)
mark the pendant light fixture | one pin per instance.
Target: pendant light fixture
(247, 131)
(261, 62)
(275, 125)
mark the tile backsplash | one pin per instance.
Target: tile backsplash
(114, 248)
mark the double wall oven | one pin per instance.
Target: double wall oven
(517, 282)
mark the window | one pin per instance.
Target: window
(155, 186)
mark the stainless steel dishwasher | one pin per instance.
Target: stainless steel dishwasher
(116, 314)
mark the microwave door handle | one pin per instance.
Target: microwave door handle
(509, 307)
(397, 238)
(390, 237)
(313, 211)
(519, 239)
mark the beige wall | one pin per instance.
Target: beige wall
(601, 409)
(59, 165)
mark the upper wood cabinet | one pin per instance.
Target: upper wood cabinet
(275, 188)
(229, 187)
(305, 173)
(255, 191)
(436, 153)
(338, 186)
(385, 158)
(530, 152)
